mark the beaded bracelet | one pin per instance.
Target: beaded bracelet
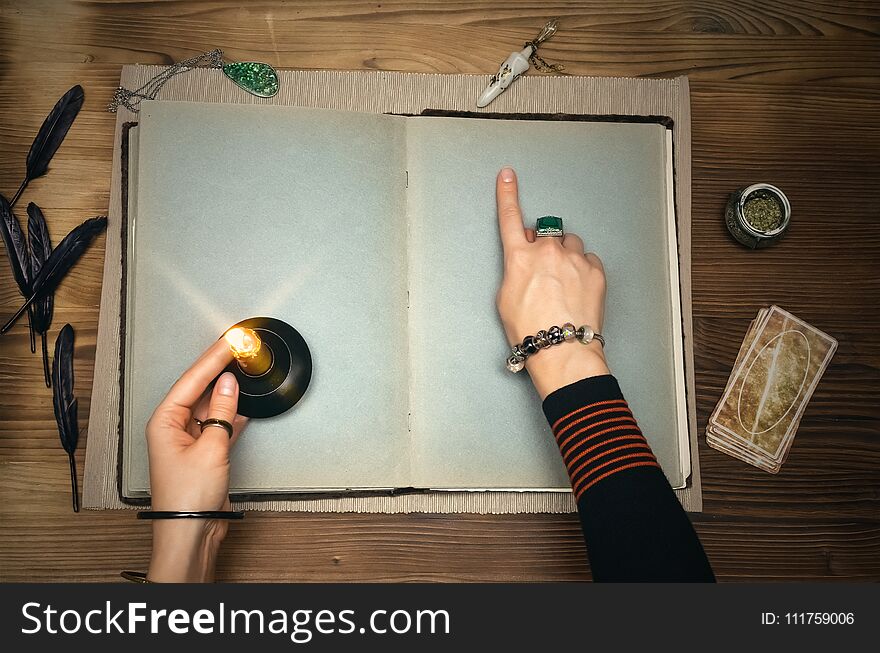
(552, 336)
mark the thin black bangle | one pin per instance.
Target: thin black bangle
(190, 514)
(135, 576)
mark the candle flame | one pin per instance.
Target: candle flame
(243, 342)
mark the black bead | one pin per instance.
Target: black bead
(541, 340)
(529, 346)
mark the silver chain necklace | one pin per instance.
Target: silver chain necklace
(256, 78)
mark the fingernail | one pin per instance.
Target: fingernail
(226, 384)
(507, 174)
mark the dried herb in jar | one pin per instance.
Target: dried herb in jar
(763, 212)
(758, 215)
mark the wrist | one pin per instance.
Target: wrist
(562, 365)
(185, 550)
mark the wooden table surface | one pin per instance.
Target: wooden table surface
(785, 92)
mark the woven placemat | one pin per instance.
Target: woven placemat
(405, 93)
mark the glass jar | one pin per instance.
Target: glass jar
(758, 215)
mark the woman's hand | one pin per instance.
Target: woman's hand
(548, 281)
(189, 470)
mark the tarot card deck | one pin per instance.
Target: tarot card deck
(779, 365)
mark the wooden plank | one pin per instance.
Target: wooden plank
(771, 18)
(713, 43)
(335, 547)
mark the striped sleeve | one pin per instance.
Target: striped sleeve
(599, 439)
(634, 526)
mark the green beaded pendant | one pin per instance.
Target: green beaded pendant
(256, 78)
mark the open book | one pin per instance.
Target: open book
(376, 237)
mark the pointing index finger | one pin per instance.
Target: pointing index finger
(510, 222)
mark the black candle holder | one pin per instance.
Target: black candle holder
(280, 387)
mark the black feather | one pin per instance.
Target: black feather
(62, 395)
(64, 402)
(51, 135)
(62, 258)
(17, 252)
(41, 249)
(16, 247)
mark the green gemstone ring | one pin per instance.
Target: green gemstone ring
(549, 225)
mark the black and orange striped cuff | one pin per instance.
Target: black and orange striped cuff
(596, 432)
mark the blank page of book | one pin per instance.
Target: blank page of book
(476, 425)
(290, 213)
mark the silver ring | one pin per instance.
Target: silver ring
(212, 421)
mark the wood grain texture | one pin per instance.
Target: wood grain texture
(785, 92)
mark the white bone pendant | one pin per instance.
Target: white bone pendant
(514, 66)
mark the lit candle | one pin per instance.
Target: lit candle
(253, 358)
(273, 365)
